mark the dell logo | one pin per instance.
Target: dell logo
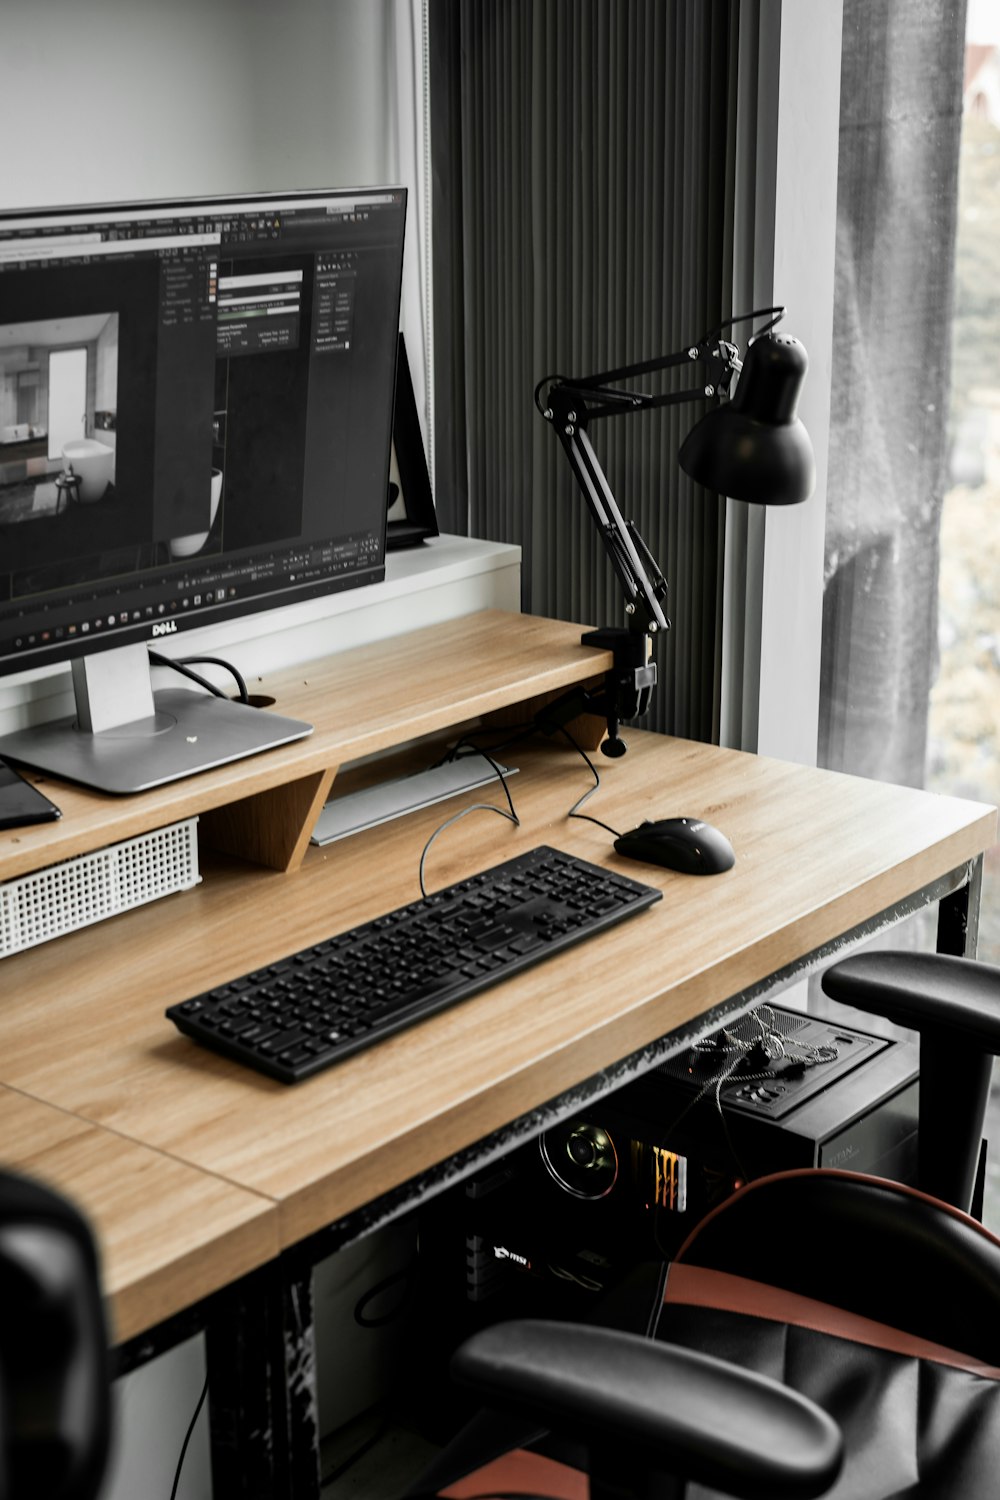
(164, 627)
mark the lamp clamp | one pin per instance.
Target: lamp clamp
(624, 693)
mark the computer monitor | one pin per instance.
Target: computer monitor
(196, 404)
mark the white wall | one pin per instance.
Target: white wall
(151, 98)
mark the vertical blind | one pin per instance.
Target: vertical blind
(585, 181)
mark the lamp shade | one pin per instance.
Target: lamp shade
(754, 447)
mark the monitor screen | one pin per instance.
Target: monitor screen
(195, 417)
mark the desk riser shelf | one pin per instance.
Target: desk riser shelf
(360, 703)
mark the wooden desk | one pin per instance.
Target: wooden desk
(820, 857)
(156, 1217)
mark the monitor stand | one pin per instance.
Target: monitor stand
(126, 738)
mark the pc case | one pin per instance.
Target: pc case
(565, 1220)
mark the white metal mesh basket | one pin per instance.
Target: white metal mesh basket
(50, 902)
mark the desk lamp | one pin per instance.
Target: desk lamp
(750, 446)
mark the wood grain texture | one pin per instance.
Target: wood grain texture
(817, 854)
(273, 828)
(167, 1233)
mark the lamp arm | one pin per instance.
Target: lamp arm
(723, 358)
(644, 584)
(615, 403)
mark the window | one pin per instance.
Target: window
(911, 628)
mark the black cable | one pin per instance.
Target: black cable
(739, 1051)
(521, 731)
(187, 1439)
(217, 661)
(183, 666)
(406, 1275)
(501, 812)
(573, 813)
(538, 725)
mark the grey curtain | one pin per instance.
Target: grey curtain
(901, 100)
(583, 159)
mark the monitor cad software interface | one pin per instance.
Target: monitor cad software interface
(195, 409)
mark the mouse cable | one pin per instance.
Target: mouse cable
(502, 812)
(574, 812)
(184, 665)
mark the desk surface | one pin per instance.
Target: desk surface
(170, 1234)
(256, 1163)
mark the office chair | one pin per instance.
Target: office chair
(55, 1383)
(877, 1302)
(55, 1378)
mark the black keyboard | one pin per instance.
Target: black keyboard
(312, 1009)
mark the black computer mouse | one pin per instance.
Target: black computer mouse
(684, 844)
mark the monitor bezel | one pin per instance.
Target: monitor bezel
(159, 631)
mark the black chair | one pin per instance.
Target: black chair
(877, 1302)
(55, 1386)
(55, 1379)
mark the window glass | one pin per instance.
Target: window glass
(910, 688)
(964, 728)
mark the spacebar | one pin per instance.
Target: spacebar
(401, 1005)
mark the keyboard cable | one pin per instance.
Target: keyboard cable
(502, 812)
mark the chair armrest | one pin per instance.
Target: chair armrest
(923, 990)
(679, 1412)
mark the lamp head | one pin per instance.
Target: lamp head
(754, 447)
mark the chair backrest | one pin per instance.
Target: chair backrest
(54, 1366)
(865, 1245)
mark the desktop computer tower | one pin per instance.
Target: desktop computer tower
(575, 1224)
(560, 1224)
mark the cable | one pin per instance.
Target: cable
(501, 812)
(573, 812)
(406, 1275)
(183, 666)
(217, 661)
(775, 1045)
(537, 725)
(187, 1439)
(521, 731)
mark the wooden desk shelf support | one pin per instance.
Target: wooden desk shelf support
(273, 827)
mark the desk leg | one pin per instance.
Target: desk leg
(262, 1384)
(957, 1140)
(958, 916)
